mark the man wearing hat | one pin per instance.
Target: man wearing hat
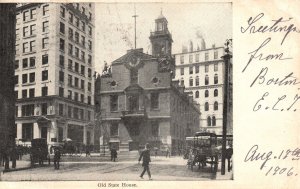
(146, 159)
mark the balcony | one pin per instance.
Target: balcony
(134, 114)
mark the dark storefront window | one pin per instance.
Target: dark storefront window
(27, 131)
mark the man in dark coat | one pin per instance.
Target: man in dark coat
(56, 158)
(146, 160)
(113, 154)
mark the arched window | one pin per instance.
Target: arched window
(206, 93)
(216, 106)
(206, 106)
(197, 94)
(197, 80)
(206, 80)
(216, 79)
(216, 92)
(191, 81)
(213, 121)
(208, 121)
(182, 82)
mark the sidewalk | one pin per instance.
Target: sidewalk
(21, 165)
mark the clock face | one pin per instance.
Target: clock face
(134, 61)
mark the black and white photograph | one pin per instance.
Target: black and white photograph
(116, 92)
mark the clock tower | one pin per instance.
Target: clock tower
(161, 38)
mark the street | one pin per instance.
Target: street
(162, 168)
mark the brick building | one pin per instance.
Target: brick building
(54, 67)
(139, 101)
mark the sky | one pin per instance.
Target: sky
(114, 26)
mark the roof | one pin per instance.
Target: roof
(132, 54)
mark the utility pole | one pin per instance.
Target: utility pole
(226, 58)
(134, 16)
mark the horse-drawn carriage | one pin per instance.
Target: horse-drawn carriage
(203, 150)
(39, 151)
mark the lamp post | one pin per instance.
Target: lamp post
(226, 58)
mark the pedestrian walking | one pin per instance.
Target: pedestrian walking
(145, 155)
(167, 153)
(113, 154)
(56, 158)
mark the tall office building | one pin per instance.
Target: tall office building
(201, 71)
(54, 68)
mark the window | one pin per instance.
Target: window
(62, 28)
(208, 121)
(76, 52)
(31, 77)
(70, 17)
(90, 45)
(206, 93)
(216, 67)
(71, 33)
(181, 71)
(24, 78)
(206, 56)
(61, 60)
(16, 49)
(62, 44)
(216, 79)
(90, 30)
(89, 100)
(45, 10)
(89, 72)
(61, 109)
(61, 76)
(197, 57)
(25, 31)
(45, 26)
(75, 96)
(32, 46)
(76, 82)
(61, 92)
(90, 16)
(82, 56)
(24, 93)
(28, 110)
(83, 40)
(206, 106)
(83, 10)
(32, 29)
(134, 76)
(44, 91)
(82, 70)
(70, 49)
(206, 68)
(76, 37)
(70, 64)
(154, 98)
(216, 55)
(89, 86)
(82, 84)
(62, 12)
(89, 59)
(213, 121)
(154, 128)
(197, 94)
(191, 81)
(27, 131)
(82, 98)
(16, 111)
(45, 59)
(31, 61)
(181, 59)
(216, 105)
(182, 82)
(33, 14)
(69, 94)
(114, 103)
(216, 92)
(114, 129)
(82, 25)
(197, 80)
(76, 67)
(191, 58)
(206, 80)
(44, 108)
(81, 114)
(77, 21)
(69, 80)
(45, 42)
(25, 47)
(89, 115)
(197, 68)
(191, 69)
(69, 111)
(26, 15)
(16, 78)
(44, 75)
